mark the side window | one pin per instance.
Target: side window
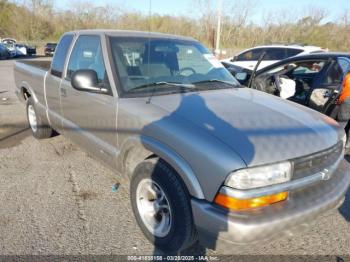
(293, 52)
(252, 55)
(87, 54)
(344, 64)
(296, 70)
(60, 55)
(275, 54)
(308, 68)
(334, 75)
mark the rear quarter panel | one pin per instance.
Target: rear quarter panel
(31, 78)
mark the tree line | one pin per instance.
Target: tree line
(39, 20)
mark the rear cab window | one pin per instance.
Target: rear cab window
(59, 58)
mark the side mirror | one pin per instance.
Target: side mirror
(86, 80)
(242, 76)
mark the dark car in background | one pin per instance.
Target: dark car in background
(313, 80)
(24, 50)
(50, 49)
(31, 50)
(4, 52)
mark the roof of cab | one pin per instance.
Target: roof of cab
(131, 33)
(320, 55)
(314, 56)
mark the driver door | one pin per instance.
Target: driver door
(326, 91)
(89, 119)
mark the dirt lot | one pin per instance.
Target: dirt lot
(55, 199)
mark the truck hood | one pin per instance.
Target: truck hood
(259, 127)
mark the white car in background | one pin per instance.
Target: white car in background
(11, 46)
(273, 53)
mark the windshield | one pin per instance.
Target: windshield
(167, 65)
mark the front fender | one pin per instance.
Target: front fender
(138, 148)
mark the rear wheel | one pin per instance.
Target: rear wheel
(161, 205)
(39, 128)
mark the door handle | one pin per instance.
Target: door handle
(63, 92)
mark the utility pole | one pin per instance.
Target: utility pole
(218, 29)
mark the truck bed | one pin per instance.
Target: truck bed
(42, 64)
(30, 75)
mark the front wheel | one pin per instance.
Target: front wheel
(37, 124)
(161, 205)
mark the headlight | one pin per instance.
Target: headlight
(260, 176)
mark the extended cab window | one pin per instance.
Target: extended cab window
(60, 55)
(87, 54)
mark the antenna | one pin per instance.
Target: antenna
(149, 47)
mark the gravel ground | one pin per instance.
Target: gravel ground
(55, 199)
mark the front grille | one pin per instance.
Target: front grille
(315, 163)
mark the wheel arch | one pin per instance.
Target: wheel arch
(139, 148)
(27, 91)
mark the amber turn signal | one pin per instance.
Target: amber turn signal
(241, 204)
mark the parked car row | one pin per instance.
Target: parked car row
(10, 49)
(207, 158)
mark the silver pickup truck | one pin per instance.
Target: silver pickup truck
(207, 158)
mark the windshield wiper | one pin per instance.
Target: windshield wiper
(163, 83)
(215, 80)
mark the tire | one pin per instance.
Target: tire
(181, 233)
(40, 129)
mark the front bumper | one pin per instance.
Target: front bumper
(218, 227)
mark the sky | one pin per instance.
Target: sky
(187, 7)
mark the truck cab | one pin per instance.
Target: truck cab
(207, 159)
